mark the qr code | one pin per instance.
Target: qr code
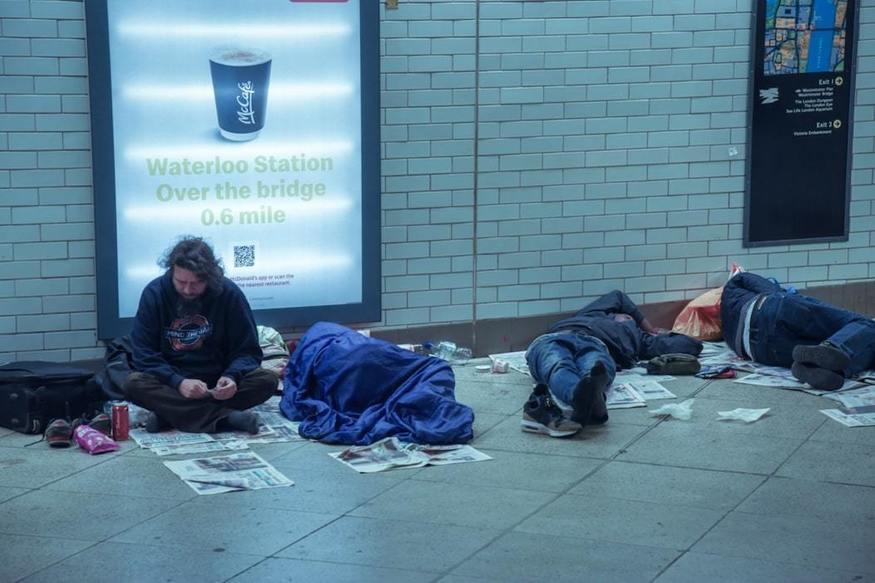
(244, 255)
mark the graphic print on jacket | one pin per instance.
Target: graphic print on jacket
(188, 332)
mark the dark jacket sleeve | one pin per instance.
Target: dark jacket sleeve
(241, 341)
(146, 341)
(615, 302)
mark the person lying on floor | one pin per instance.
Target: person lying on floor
(578, 358)
(195, 348)
(820, 343)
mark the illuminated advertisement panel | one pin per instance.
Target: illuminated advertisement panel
(253, 124)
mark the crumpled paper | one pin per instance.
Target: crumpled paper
(682, 411)
(740, 414)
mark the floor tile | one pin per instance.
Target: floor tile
(806, 541)
(127, 476)
(7, 493)
(594, 442)
(281, 571)
(461, 505)
(680, 443)
(520, 556)
(391, 543)
(77, 515)
(699, 567)
(669, 485)
(799, 497)
(623, 521)
(833, 431)
(522, 471)
(484, 397)
(23, 555)
(248, 529)
(832, 462)
(483, 422)
(113, 562)
(32, 468)
(732, 391)
(783, 420)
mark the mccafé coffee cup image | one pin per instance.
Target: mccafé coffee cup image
(241, 77)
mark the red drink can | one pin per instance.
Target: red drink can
(120, 421)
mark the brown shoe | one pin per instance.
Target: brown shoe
(59, 433)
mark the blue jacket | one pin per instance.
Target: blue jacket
(347, 388)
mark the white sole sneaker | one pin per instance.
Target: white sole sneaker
(535, 427)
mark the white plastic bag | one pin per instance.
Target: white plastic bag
(682, 411)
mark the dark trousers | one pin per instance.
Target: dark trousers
(198, 415)
(560, 359)
(786, 320)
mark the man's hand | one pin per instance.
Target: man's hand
(193, 389)
(225, 389)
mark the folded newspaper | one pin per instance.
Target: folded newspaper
(228, 473)
(390, 453)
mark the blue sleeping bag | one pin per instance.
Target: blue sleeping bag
(346, 388)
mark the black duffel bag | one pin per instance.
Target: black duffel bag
(32, 393)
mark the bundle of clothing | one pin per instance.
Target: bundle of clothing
(347, 388)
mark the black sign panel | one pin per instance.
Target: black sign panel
(800, 124)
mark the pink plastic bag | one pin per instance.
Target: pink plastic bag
(93, 441)
(701, 317)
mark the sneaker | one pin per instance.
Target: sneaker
(59, 433)
(542, 415)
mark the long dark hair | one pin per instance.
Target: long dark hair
(196, 255)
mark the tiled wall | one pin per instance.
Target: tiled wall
(535, 154)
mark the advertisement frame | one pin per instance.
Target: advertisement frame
(110, 324)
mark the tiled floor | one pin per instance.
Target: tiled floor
(788, 498)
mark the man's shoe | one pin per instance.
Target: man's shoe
(59, 433)
(102, 423)
(819, 378)
(589, 390)
(822, 356)
(542, 415)
(155, 424)
(243, 421)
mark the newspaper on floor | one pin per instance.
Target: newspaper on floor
(169, 438)
(623, 396)
(273, 428)
(651, 390)
(390, 453)
(628, 394)
(854, 398)
(228, 473)
(515, 360)
(849, 419)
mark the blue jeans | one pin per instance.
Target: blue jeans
(787, 320)
(560, 359)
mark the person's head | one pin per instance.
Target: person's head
(193, 268)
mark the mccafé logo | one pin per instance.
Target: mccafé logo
(246, 114)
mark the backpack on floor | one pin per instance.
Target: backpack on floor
(32, 393)
(673, 364)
